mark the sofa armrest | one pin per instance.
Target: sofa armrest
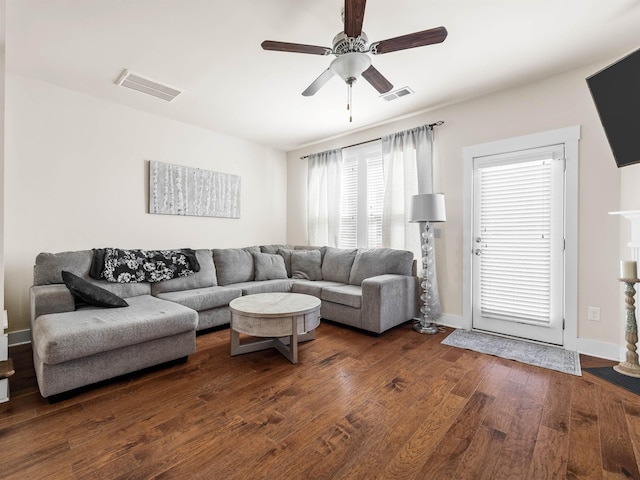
(388, 300)
(44, 299)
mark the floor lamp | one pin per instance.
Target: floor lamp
(425, 209)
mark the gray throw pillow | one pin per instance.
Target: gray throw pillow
(286, 255)
(273, 249)
(269, 267)
(322, 250)
(234, 265)
(336, 266)
(306, 264)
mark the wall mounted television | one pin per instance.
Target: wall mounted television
(616, 93)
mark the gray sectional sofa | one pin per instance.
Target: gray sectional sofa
(77, 345)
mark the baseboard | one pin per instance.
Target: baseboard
(19, 337)
(448, 320)
(594, 348)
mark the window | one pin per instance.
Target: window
(362, 196)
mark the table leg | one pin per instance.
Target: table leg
(235, 338)
(290, 351)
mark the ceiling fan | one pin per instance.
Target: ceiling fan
(351, 47)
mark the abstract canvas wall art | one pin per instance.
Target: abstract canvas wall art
(179, 190)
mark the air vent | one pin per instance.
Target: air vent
(145, 85)
(401, 92)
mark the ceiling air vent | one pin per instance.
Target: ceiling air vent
(401, 92)
(145, 85)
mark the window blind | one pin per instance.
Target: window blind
(349, 204)
(375, 200)
(516, 240)
(362, 196)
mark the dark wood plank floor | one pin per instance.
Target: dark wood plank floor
(399, 406)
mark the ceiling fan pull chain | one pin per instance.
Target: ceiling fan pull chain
(350, 103)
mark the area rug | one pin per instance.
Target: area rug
(553, 358)
(610, 375)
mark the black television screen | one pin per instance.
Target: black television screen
(616, 94)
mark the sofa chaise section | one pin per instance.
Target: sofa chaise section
(91, 344)
(76, 345)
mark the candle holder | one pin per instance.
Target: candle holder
(630, 366)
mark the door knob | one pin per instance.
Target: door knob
(478, 251)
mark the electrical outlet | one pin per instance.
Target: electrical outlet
(437, 232)
(593, 313)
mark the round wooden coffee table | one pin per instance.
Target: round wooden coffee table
(280, 319)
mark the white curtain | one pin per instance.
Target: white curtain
(408, 170)
(323, 197)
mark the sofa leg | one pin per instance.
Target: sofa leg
(178, 361)
(59, 397)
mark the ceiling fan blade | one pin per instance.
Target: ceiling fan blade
(295, 47)
(353, 17)
(412, 40)
(318, 83)
(377, 80)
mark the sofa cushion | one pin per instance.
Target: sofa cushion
(269, 267)
(337, 263)
(311, 287)
(380, 261)
(124, 290)
(61, 337)
(234, 265)
(206, 277)
(201, 299)
(265, 286)
(90, 293)
(306, 264)
(49, 266)
(349, 295)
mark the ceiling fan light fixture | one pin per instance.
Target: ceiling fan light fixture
(350, 65)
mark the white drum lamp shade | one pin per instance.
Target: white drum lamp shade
(427, 207)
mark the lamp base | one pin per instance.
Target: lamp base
(429, 328)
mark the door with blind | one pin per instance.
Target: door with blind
(518, 244)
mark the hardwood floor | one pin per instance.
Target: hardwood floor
(399, 406)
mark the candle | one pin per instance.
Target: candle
(628, 269)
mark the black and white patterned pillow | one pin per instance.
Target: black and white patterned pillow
(133, 266)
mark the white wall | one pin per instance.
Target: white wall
(76, 178)
(3, 6)
(629, 200)
(553, 103)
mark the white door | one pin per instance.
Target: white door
(518, 244)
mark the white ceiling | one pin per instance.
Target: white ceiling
(211, 49)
